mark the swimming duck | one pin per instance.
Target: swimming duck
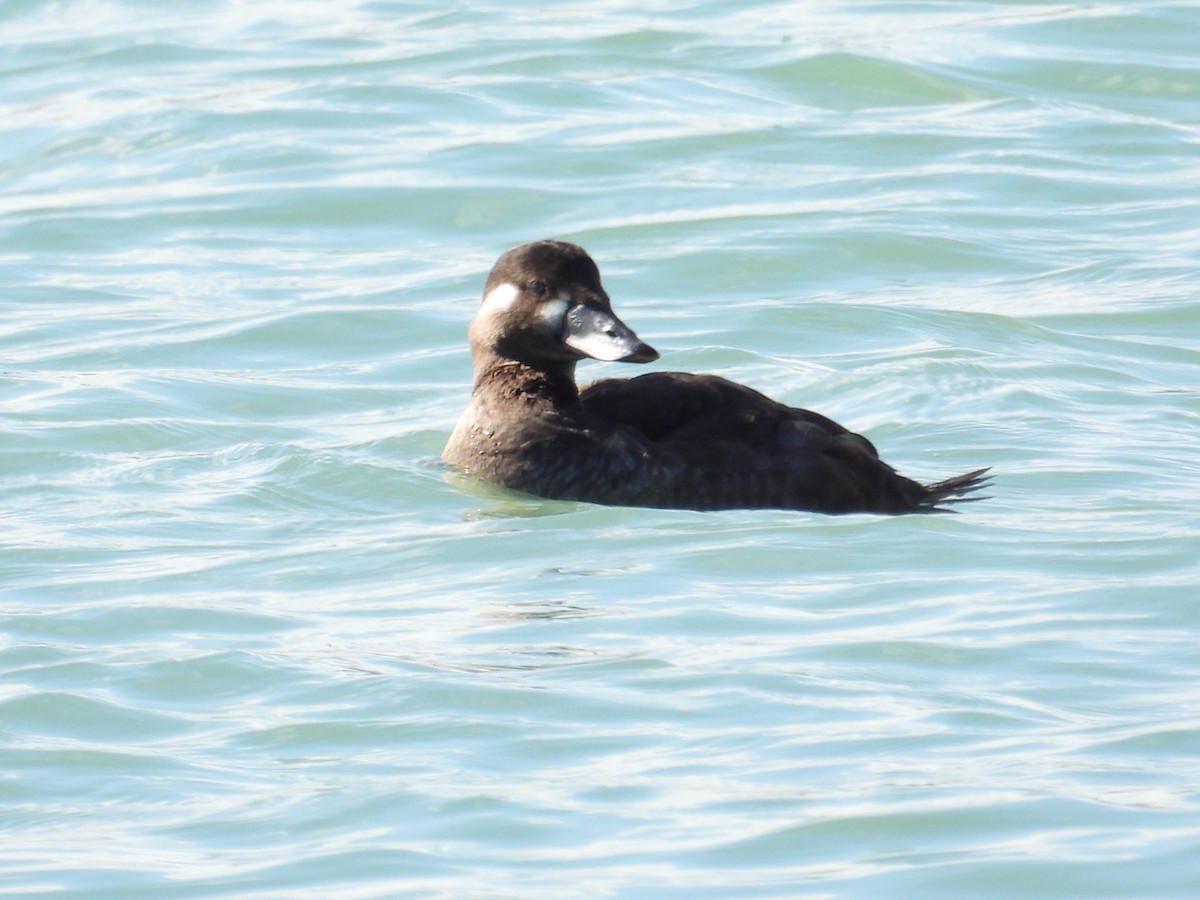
(666, 439)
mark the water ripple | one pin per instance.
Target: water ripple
(257, 640)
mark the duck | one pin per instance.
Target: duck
(664, 439)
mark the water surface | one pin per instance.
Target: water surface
(255, 641)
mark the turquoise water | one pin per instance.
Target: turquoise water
(255, 641)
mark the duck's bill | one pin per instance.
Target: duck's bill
(601, 335)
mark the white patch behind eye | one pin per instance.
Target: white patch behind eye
(553, 311)
(501, 297)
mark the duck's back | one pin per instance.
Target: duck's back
(718, 444)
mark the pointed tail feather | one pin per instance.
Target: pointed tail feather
(954, 490)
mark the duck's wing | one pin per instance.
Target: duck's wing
(679, 406)
(721, 444)
(662, 403)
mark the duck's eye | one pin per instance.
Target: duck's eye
(538, 287)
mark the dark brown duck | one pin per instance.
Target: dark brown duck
(668, 439)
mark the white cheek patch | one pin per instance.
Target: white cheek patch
(501, 297)
(553, 312)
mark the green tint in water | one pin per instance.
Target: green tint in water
(256, 639)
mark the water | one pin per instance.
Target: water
(256, 643)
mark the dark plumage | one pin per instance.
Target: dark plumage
(667, 439)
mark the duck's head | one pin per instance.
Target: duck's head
(544, 306)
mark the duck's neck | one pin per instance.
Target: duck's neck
(555, 384)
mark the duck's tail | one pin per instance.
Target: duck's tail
(955, 490)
